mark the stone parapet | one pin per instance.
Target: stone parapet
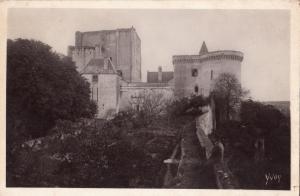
(215, 55)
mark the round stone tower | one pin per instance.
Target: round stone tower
(195, 74)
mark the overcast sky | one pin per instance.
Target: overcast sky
(262, 35)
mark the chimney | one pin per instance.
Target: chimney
(159, 74)
(78, 39)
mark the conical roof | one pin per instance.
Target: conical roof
(203, 49)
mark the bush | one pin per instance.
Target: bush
(249, 162)
(93, 157)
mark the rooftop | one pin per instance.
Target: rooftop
(97, 66)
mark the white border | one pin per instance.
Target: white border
(291, 5)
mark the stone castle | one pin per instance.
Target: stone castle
(110, 60)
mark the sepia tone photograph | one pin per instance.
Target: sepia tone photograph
(148, 98)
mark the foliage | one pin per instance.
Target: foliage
(274, 126)
(147, 107)
(186, 106)
(227, 93)
(234, 135)
(41, 88)
(266, 117)
(151, 102)
(131, 119)
(259, 122)
(75, 158)
(182, 111)
(89, 153)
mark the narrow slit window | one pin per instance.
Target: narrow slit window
(196, 89)
(97, 94)
(211, 74)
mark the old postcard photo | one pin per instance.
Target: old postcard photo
(154, 99)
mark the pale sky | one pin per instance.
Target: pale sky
(262, 35)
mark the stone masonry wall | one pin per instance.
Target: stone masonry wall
(207, 71)
(122, 45)
(107, 98)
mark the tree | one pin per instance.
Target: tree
(187, 106)
(272, 126)
(42, 87)
(149, 105)
(256, 114)
(227, 93)
(258, 143)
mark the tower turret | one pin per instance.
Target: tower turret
(203, 49)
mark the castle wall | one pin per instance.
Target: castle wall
(105, 93)
(108, 103)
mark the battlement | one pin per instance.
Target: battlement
(214, 55)
(122, 46)
(108, 31)
(82, 51)
(79, 36)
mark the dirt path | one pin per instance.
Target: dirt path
(194, 172)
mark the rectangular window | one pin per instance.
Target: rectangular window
(194, 72)
(120, 73)
(95, 78)
(211, 74)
